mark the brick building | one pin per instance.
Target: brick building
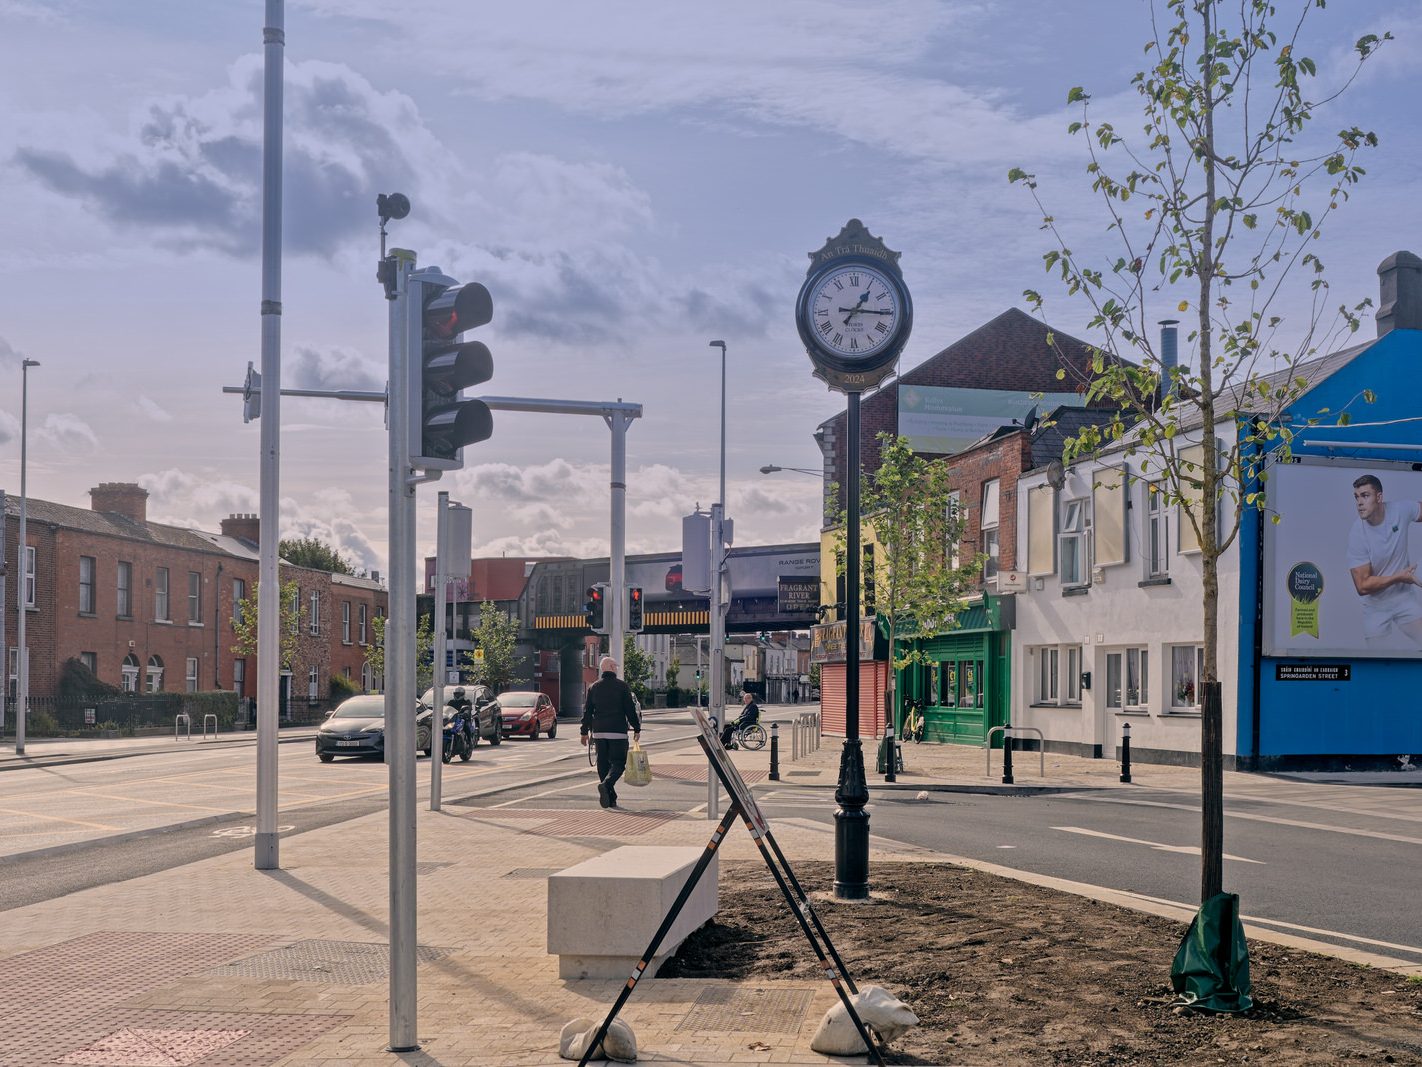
(148, 606)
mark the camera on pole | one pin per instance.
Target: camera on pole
(442, 420)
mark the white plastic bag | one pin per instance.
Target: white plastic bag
(639, 767)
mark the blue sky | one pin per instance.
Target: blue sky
(630, 180)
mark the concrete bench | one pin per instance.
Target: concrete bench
(603, 912)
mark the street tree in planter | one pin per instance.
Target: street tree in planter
(424, 642)
(496, 636)
(637, 669)
(919, 581)
(1211, 211)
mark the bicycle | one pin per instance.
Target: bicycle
(913, 722)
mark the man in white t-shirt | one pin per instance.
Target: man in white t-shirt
(1383, 574)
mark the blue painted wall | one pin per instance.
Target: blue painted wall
(1378, 712)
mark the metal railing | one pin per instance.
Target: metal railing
(1006, 732)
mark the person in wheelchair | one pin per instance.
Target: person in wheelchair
(750, 713)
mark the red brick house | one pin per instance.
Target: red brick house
(148, 606)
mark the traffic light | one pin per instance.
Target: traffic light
(634, 608)
(442, 421)
(595, 608)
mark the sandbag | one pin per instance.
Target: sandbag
(620, 1044)
(878, 1009)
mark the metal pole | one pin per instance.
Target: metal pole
(617, 595)
(4, 648)
(1007, 778)
(775, 752)
(1126, 752)
(718, 617)
(851, 821)
(266, 856)
(400, 668)
(437, 715)
(22, 701)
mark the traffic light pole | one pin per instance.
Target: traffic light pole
(405, 332)
(441, 585)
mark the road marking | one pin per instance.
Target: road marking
(141, 800)
(1006, 846)
(1184, 850)
(536, 796)
(56, 818)
(1276, 820)
(245, 831)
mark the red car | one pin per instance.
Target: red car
(527, 714)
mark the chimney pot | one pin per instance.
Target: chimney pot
(1399, 293)
(120, 498)
(243, 527)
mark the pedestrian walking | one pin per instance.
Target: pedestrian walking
(608, 713)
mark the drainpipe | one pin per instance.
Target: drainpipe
(1169, 357)
(216, 631)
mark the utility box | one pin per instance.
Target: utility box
(696, 552)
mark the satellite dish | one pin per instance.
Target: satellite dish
(1029, 421)
(1056, 474)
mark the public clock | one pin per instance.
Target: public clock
(854, 316)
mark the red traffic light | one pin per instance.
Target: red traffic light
(458, 309)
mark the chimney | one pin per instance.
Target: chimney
(1169, 356)
(375, 577)
(120, 498)
(242, 527)
(1399, 293)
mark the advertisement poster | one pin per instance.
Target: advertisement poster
(935, 419)
(1340, 565)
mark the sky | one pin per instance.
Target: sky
(630, 180)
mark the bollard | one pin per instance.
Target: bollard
(1126, 752)
(775, 752)
(1007, 756)
(890, 757)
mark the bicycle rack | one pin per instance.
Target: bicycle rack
(1007, 730)
(209, 718)
(182, 721)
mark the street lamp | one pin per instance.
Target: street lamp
(22, 703)
(718, 619)
(771, 468)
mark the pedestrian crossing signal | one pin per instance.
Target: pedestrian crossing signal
(634, 608)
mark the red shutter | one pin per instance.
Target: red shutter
(872, 676)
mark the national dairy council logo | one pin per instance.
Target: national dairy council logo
(1305, 585)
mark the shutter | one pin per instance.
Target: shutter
(872, 677)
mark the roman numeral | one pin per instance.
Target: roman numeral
(826, 327)
(854, 344)
(854, 280)
(838, 339)
(884, 295)
(881, 327)
(821, 311)
(839, 285)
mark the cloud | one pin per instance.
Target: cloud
(310, 367)
(198, 500)
(67, 433)
(149, 409)
(190, 171)
(9, 427)
(10, 356)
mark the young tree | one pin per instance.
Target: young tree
(424, 643)
(636, 669)
(314, 553)
(495, 636)
(674, 673)
(908, 505)
(244, 624)
(1214, 208)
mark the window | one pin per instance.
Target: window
(988, 525)
(12, 686)
(948, 685)
(1187, 667)
(1073, 675)
(125, 590)
(191, 677)
(239, 594)
(239, 677)
(1041, 529)
(128, 673)
(1110, 545)
(296, 609)
(345, 622)
(314, 623)
(360, 624)
(1127, 679)
(1048, 662)
(155, 674)
(29, 576)
(194, 598)
(160, 595)
(1157, 532)
(86, 585)
(367, 677)
(1072, 545)
(90, 661)
(312, 681)
(953, 517)
(1191, 463)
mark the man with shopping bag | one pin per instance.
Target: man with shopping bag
(608, 713)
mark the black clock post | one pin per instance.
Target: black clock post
(854, 315)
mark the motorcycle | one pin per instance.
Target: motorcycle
(457, 735)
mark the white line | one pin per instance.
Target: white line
(1184, 850)
(1378, 834)
(536, 796)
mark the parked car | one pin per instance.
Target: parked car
(487, 726)
(355, 728)
(527, 714)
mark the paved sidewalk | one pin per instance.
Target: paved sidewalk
(58, 751)
(215, 963)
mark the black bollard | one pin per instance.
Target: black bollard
(775, 752)
(1126, 752)
(1007, 757)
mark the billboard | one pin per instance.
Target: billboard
(1340, 565)
(941, 420)
(753, 572)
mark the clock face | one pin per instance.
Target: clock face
(854, 311)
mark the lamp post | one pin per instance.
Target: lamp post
(22, 702)
(772, 468)
(718, 618)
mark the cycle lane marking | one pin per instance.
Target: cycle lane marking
(1184, 850)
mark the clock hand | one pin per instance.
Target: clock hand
(869, 311)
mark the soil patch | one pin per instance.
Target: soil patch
(1002, 972)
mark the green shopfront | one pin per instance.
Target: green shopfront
(963, 683)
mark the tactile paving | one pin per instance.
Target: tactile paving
(532, 872)
(144, 1047)
(696, 772)
(722, 1008)
(584, 822)
(337, 962)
